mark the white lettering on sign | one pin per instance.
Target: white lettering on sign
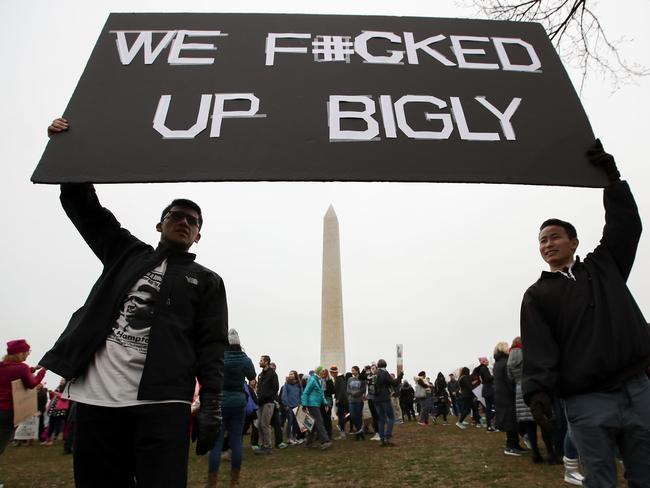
(144, 42)
(340, 48)
(396, 111)
(219, 113)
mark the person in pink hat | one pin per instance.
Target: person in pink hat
(13, 367)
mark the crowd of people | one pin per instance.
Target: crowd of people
(326, 404)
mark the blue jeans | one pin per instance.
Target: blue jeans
(385, 419)
(602, 422)
(356, 415)
(426, 405)
(292, 424)
(570, 450)
(233, 422)
(489, 406)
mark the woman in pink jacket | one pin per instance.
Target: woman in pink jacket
(13, 367)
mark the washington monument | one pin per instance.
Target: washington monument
(332, 338)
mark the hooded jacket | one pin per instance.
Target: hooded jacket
(587, 334)
(190, 320)
(312, 395)
(237, 368)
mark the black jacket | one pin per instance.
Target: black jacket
(465, 387)
(504, 395)
(189, 329)
(453, 387)
(588, 335)
(267, 386)
(486, 380)
(384, 382)
(406, 394)
(340, 389)
(440, 387)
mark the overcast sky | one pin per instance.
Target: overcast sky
(440, 268)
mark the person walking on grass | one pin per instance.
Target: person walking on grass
(441, 398)
(505, 418)
(267, 391)
(384, 385)
(311, 400)
(487, 391)
(452, 387)
(356, 391)
(424, 395)
(525, 418)
(340, 393)
(237, 368)
(406, 398)
(466, 396)
(291, 392)
(13, 367)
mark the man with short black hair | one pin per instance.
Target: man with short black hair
(384, 385)
(453, 387)
(267, 391)
(585, 340)
(154, 323)
(341, 395)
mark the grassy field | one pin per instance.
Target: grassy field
(433, 456)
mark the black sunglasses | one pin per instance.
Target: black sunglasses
(177, 216)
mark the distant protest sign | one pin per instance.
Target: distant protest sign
(250, 97)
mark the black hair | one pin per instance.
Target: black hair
(567, 226)
(267, 359)
(355, 367)
(183, 202)
(422, 373)
(381, 363)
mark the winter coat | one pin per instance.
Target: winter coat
(486, 380)
(291, 393)
(421, 387)
(267, 386)
(587, 334)
(189, 329)
(384, 385)
(515, 368)
(312, 395)
(237, 367)
(406, 395)
(340, 389)
(10, 371)
(504, 395)
(465, 384)
(441, 389)
(328, 390)
(356, 389)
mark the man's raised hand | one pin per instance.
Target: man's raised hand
(57, 125)
(598, 157)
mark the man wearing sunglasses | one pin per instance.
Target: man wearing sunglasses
(153, 324)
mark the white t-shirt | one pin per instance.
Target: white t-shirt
(113, 376)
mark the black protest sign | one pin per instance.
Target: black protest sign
(250, 97)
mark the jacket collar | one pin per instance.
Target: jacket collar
(559, 274)
(174, 255)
